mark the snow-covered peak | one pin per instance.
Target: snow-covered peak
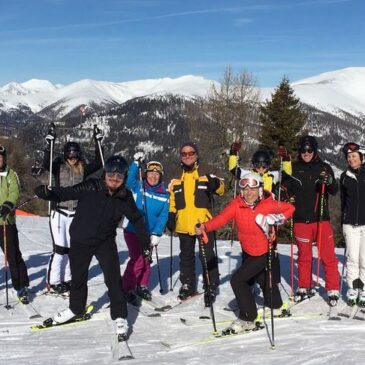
(36, 86)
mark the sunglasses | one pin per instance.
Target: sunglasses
(251, 183)
(188, 154)
(154, 166)
(257, 165)
(306, 150)
(116, 175)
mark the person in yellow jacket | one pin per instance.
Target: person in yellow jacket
(190, 200)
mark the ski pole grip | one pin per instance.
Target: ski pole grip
(203, 235)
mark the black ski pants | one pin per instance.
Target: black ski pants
(18, 270)
(254, 267)
(187, 260)
(107, 255)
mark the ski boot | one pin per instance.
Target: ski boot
(133, 299)
(64, 316)
(209, 296)
(361, 299)
(58, 289)
(239, 326)
(144, 293)
(351, 297)
(23, 295)
(185, 292)
(303, 293)
(121, 328)
(333, 297)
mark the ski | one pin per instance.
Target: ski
(144, 311)
(168, 307)
(48, 323)
(31, 310)
(120, 349)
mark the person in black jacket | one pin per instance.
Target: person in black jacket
(309, 174)
(101, 206)
(352, 187)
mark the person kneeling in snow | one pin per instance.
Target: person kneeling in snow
(101, 205)
(254, 211)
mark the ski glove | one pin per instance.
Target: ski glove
(265, 221)
(139, 156)
(155, 240)
(44, 192)
(5, 209)
(325, 178)
(98, 134)
(171, 222)
(235, 147)
(283, 153)
(213, 182)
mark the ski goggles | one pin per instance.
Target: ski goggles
(188, 154)
(306, 149)
(70, 154)
(351, 147)
(154, 166)
(264, 165)
(115, 175)
(251, 183)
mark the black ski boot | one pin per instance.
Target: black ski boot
(23, 295)
(133, 299)
(144, 293)
(185, 292)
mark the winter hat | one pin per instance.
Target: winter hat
(192, 145)
(308, 142)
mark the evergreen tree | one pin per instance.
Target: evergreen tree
(281, 118)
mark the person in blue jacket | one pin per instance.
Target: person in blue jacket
(152, 200)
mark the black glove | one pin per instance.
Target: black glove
(235, 147)
(171, 222)
(5, 209)
(325, 178)
(213, 183)
(283, 153)
(45, 193)
(98, 134)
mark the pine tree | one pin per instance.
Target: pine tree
(281, 118)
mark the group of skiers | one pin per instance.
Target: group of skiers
(85, 214)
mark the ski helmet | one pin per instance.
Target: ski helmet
(71, 149)
(352, 147)
(2, 151)
(116, 164)
(261, 158)
(307, 143)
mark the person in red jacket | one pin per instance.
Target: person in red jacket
(254, 210)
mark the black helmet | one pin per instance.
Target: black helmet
(261, 158)
(71, 149)
(117, 164)
(2, 151)
(308, 143)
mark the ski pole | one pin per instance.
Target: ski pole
(51, 131)
(270, 243)
(343, 270)
(97, 130)
(319, 231)
(24, 202)
(158, 270)
(202, 240)
(291, 259)
(7, 306)
(214, 236)
(171, 289)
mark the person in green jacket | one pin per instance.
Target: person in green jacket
(9, 195)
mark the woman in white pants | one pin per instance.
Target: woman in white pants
(352, 184)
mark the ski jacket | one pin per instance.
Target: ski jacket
(270, 178)
(98, 213)
(305, 186)
(352, 188)
(191, 198)
(252, 238)
(64, 175)
(9, 192)
(153, 200)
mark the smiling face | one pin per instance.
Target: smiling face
(354, 160)
(188, 156)
(113, 181)
(307, 155)
(250, 195)
(153, 178)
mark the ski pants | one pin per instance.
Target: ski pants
(137, 272)
(187, 260)
(59, 265)
(305, 234)
(254, 267)
(355, 253)
(106, 253)
(18, 270)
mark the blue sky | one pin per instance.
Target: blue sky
(121, 40)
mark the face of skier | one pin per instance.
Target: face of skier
(307, 154)
(153, 177)
(250, 195)
(353, 159)
(188, 156)
(113, 181)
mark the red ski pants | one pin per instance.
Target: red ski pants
(305, 234)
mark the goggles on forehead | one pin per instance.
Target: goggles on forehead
(154, 166)
(251, 183)
(351, 147)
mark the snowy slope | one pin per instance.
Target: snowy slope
(308, 337)
(341, 90)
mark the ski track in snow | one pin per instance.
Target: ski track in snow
(308, 337)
